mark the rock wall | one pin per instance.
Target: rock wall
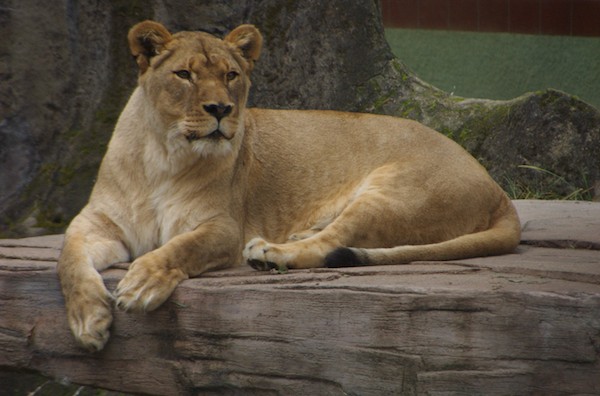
(65, 74)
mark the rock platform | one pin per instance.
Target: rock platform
(520, 324)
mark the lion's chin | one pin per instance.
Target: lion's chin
(214, 144)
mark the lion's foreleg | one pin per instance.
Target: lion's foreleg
(152, 277)
(87, 249)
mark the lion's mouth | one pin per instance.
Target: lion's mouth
(214, 135)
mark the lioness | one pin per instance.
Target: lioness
(193, 181)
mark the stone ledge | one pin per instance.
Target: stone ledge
(525, 323)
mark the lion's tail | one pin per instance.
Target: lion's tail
(502, 237)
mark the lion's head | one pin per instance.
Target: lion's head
(198, 84)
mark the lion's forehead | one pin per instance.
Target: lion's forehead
(199, 50)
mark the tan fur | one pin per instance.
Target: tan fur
(293, 187)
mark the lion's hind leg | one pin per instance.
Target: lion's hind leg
(305, 253)
(366, 221)
(355, 226)
(393, 207)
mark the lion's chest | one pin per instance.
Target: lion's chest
(157, 216)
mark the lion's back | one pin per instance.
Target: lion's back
(332, 138)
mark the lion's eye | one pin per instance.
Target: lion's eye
(183, 74)
(231, 75)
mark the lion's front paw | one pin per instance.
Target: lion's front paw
(147, 284)
(89, 314)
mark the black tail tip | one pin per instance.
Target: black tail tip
(343, 257)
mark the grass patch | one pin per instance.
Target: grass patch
(500, 65)
(520, 190)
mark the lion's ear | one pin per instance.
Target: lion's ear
(147, 39)
(248, 40)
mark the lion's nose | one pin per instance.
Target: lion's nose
(218, 110)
